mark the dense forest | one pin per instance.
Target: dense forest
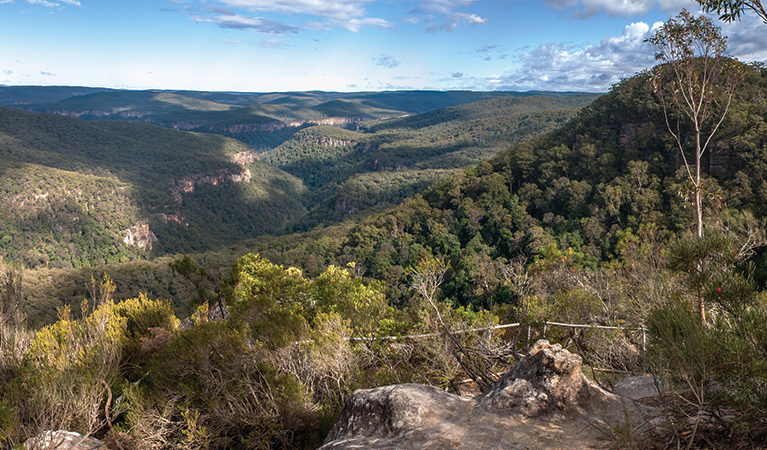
(76, 189)
(512, 209)
(87, 183)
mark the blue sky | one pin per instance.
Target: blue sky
(339, 45)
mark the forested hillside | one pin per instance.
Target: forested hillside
(381, 163)
(594, 191)
(74, 190)
(165, 191)
(261, 120)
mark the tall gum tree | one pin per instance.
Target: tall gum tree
(695, 82)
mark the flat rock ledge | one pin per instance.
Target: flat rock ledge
(544, 402)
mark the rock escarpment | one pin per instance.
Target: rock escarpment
(545, 402)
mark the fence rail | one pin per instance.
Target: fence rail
(511, 325)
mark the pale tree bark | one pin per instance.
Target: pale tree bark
(698, 81)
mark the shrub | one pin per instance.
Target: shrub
(72, 366)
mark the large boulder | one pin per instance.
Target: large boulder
(545, 402)
(62, 440)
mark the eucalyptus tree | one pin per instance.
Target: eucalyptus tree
(695, 83)
(696, 80)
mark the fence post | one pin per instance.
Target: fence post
(544, 329)
(528, 336)
(644, 340)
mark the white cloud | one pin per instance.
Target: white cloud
(454, 19)
(47, 3)
(747, 39)
(431, 10)
(331, 9)
(441, 6)
(356, 24)
(255, 24)
(584, 9)
(272, 43)
(557, 66)
(6, 71)
(47, 74)
(43, 3)
(387, 61)
(347, 14)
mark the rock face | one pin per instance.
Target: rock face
(545, 402)
(62, 440)
(547, 381)
(637, 388)
(139, 235)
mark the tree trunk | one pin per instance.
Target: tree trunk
(699, 217)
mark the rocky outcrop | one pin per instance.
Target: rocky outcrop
(188, 183)
(139, 235)
(545, 402)
(547, 381)
(245, 157)
(332, 121)
(62, 440)
(176, 217)
(325, 141)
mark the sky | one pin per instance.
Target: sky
(341, 45)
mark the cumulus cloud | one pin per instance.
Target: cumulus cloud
(348, 14)
(747, 40)
(387, 61)
(48, 74)
(235, 21)
(583, 9)
(457, 74)
(332, 9)
(6, 71)
(454, 19)
(557, 66)
(561, 67)
(431, 10)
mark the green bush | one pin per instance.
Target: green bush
(73, 365)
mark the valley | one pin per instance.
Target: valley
(340, 235)
(77, 190)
